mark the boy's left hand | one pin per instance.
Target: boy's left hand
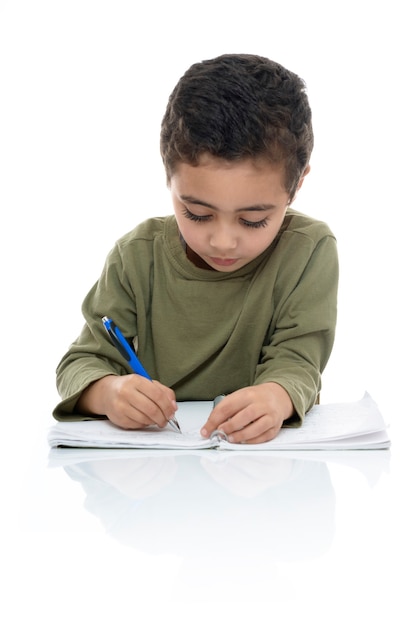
(251, 415)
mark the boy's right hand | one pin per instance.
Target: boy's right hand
(130, 401)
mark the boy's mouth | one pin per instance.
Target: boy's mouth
(222, 262)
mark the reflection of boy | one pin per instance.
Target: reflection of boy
(212, 508)
(235, 293)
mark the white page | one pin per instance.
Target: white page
(102, 433)
(351, 425)
(370, 441)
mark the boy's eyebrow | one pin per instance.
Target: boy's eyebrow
(255, 207)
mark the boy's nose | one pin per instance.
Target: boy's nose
(223, 239)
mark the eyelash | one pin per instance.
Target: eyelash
(204, 218)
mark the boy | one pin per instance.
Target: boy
(236, 293)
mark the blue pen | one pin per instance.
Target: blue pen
(126, 351)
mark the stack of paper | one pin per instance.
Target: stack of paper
(343, 426)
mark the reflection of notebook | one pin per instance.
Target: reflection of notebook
(356, 425)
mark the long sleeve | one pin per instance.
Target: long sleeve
(303, 328)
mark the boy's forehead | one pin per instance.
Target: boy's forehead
(248, 166)
(216, 180)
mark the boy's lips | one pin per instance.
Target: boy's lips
(222, 262)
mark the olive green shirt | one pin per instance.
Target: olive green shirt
(204, 333)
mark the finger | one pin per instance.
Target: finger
(168, 397)
(249, 424)
(267, 435)
(129, 423)
(241, 420)
(249, 414)
(157, 402)
(128, 410)
(224, 411)
(126, 414)
(256, 432)
(150, 412)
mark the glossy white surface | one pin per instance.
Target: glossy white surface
(210, 536)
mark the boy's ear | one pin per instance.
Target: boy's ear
(302, 178)
(300, 183)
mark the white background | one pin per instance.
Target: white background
(84, 85)
(83, 88)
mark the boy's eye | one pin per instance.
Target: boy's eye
(259, 224)
(194, 217)
(205, 218)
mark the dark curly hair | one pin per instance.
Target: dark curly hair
(239, 106)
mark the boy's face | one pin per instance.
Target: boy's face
(228, 212)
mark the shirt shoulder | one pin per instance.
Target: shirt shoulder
(305, 225)
(149, 230)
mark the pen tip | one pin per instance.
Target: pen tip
(175, 424)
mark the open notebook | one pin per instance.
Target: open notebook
(343, 426)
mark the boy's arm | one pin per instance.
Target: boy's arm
(302, 341)
(288, 377)
(91, 357)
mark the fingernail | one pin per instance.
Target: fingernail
(204, 433)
